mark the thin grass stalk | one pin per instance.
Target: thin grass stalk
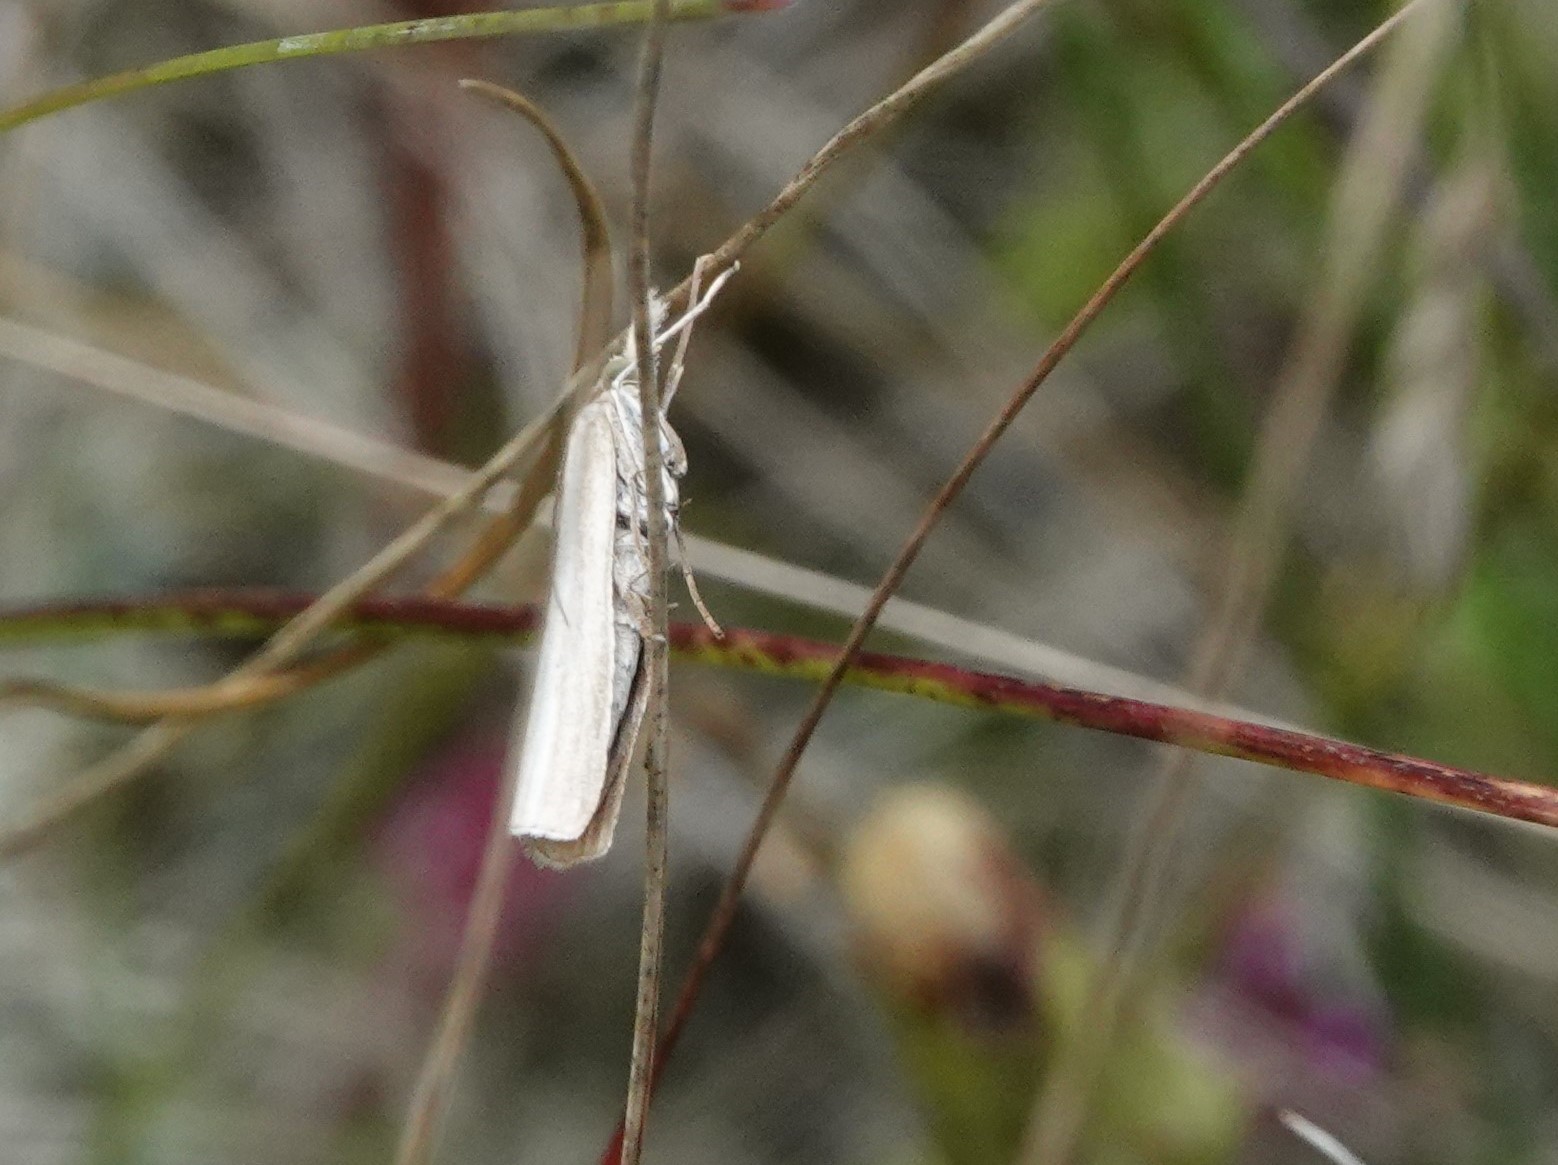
(646, 1014)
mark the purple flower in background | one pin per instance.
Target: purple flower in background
(1347, 1041)
(429, 847)
(1280, 985)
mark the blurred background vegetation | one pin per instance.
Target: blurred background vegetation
(240, 958)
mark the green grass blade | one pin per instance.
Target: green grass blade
(471, 26)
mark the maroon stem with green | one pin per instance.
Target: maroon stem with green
(256, 613)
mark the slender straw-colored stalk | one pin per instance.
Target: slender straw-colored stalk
(646, 1015)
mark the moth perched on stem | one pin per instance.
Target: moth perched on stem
(590, 689)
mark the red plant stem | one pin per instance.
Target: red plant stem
(256, 612)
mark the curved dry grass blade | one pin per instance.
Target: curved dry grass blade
(266, 683)
(148, 707)
(725, 910)
(471, 26)
(595, 307)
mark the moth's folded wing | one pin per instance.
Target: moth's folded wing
(570, 726)
(596, 839)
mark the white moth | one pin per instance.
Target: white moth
(590, 689)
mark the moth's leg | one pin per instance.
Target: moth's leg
(692, 583)
(696, 307)
(630, 577)
(673, 373)
(633, 517)
(674, 451)
(634, 604)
